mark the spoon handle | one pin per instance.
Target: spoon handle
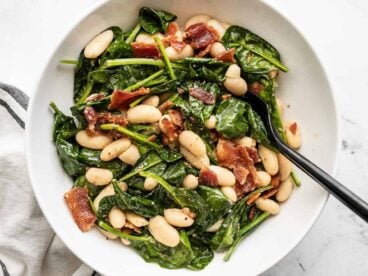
(351, 200)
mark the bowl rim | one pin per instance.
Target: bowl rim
(77, 20)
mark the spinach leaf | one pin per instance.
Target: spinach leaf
(257, 129)
(203, 254)
(253, 53)
(155, 21)
(64, 126)
(231, 120)
(105, 206)
(118, 48)
(68, 154)
(93, 190)
(138, 182)
(175, 173)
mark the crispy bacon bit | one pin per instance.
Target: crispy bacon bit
(173, 127)
(200, 35)
(129, 226)
(204, 52)
(202, 95)
(226, 97)
(166, 105)
(176, 117)
(293, 128)
(121, 99)
(253, 198)
(171, 37)
(77, 201)
(252, 213)
(255, 87)
(208, 177)
(276, 181)
(253, 153)
(270, 193)
(145, 50)
(241, 174)
(247, 187)
(95, 97)
(227, 56)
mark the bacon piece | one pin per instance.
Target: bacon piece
(173, 127)
(226, 97)
(145, 50)
(202, 95)
(293, 127)
(253, 153)
(255, 87)
(270, 193)
(200, 35)
(77, 201)
(241, 174)
(176, 117)
(253, 198)
(171, 37)
(227, 56)
(276, 181)
(166, 105)
(208, 177)
(122, 99)
(205, 51)
(252, 213)
(95, 97)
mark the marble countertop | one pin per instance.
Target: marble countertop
(338, 242)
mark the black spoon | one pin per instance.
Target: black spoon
(351, 200)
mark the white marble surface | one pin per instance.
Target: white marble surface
(338, 242)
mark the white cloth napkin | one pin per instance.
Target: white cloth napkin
(28, 246)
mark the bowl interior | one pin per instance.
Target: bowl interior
(305, 90)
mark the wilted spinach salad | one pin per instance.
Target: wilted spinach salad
(164, 152)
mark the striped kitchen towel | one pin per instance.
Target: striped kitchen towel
(28, 246)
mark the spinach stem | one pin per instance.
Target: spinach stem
(134, 135)
(244, 231)
(120, 234)
(134, 172)
(165, 58)
(156, 81)
(295, 178)
(142, 61)
(139, 100)
(92, 205)
(55, 108)
(69, 61)
(87, 90)
(144, 81)
(133, 34)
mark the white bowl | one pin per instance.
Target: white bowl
(305, 88)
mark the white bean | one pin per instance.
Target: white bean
(268, 205)
(142, 114)
(269, 159)
(163, 232)
(176, 217)
(99, 176)
(215, 227)
(236, 86)
(149, 184)
(285, 189)
(233, 71)
(293, 136)
(218, 27)
(198, 18)
(210, 123)
(92, 142)
(131, 155)
(190, 182)
(224, 176)
(136, 220)
(197, 162)
(284, 166)
(187, 51)
(230, 193)
(225, 25)
(152, 101)
(107, 234)
(114, 149)
(263, 179)
(216, 49)
(125, 241)
(116, 218)
(192, 142)
(145, 38)
(98, 44)
(246, 142)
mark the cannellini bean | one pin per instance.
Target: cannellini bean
(107, 234)
(225, 25)
(145, 38)
(230, 193)
(108, 191)
(179, 36)
(268, 205)
(176, 217)
(198, 18)
(192, 142)
(99, 176)
(210, 123)
(125, 241)
(293, 136)
(190, 182)
(215, 227)
(162, 125)
(92, 142)
(131, 155)
(175, 55)
(197, 162)
(285, 190)
(142, 114)
(136, 220)
(233, 71)
(280, 106)
(152, 101)
(269, 159)
(224, 176)
(218, 27)
(284, 166)
(114, 149)
(163, 232)
(98, 44)
(216, 49)
(236, 86)
(246, 142)
(263, 178)
(116, 218)
(149, 184)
